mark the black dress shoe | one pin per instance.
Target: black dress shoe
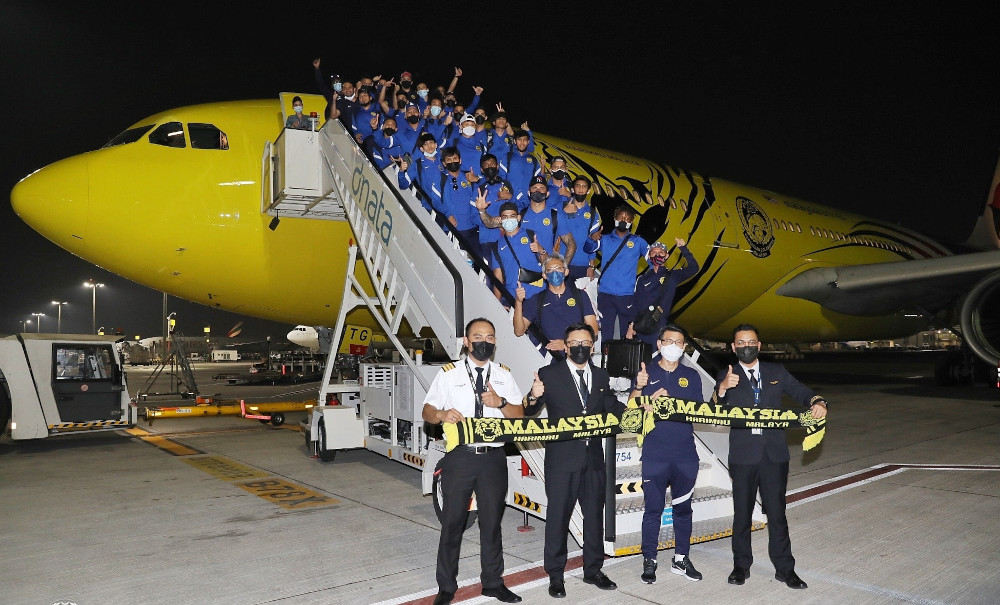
(600, 580)
(502, 594)
(444, 597)
(557, 590)
(739, 575)
(791, 579)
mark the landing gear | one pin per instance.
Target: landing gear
(438, 498)
(961, 367)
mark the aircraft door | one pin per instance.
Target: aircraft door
(86, 382)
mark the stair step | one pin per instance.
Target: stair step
(637, 504)
(701, 531)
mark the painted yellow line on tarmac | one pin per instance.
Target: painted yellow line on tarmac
(286, 494)
(171, 447)
(224, 468)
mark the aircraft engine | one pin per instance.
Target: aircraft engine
(981, 319)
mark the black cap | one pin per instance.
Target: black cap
(423, 138)
(537, 180)
(508, 206)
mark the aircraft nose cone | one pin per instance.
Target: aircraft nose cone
(55, 200)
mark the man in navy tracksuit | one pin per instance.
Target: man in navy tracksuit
(520, 166)
(620, 254)
(669, 456)
(655, 287)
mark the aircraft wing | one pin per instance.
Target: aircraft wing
(925, 284)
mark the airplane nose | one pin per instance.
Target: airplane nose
(55, 201)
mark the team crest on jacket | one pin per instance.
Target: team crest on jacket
(586, 215)
(756, 227)
(524, 240)
(630, 244)
(546, 222)
(571, 302)
(683, 382)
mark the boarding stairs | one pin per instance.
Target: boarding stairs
(414, 270)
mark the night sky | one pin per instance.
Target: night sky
(887, 109)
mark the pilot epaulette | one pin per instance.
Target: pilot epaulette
(504, 367)
(448, 367)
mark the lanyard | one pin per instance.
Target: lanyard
(472, 382)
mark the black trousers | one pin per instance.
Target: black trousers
(563, 489)
(772, 479)
(464, 472)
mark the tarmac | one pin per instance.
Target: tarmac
(899, 504)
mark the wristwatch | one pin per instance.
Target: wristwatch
(532, 398)
(503, 403)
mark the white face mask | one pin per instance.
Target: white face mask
(297, 108)
(671, 352)
(469, 131)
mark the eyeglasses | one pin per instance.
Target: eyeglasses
(674, 341)
(577, 343)
(747, 343)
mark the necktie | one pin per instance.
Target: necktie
(584, 391)
(479, 391)
(755, 385)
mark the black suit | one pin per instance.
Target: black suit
(761, 461)
(574, 470)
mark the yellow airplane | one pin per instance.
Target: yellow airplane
(188, 183)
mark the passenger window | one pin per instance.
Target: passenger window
(798, 228)
(129, 136)
(170, 134)
(207, 136)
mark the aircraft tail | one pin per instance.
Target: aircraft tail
(986, 234)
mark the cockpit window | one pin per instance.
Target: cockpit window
(129, 136)
(207, 136)
(170, 134)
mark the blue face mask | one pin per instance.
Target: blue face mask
(422, 94)
(509, 225)
(435, 110)
(556, 278)
(338, 86)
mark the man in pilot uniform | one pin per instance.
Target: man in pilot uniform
(758, 458)
(475, 386)
(574, 469)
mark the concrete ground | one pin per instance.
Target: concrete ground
(232, 511)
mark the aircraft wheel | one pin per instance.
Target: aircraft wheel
(438, 498)
(277, 419)
(324, 454)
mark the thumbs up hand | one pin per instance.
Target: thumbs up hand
(730, 380)
(537, 387)
(490, 397)
(520, 292)
(641, 378)
(535, 246)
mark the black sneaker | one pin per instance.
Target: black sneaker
(648, 571)
(685, 568)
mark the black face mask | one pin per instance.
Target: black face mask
(623, 226)
(537, 196)
(579, 197)
(480, 119)
(388, 131)
(491, 172)
(400, 104)
(406, 84)
(482, 350)
(747, 354)
(450, 102)
(453, 166)
(558, 174)
(579, 354)
(412, 119)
